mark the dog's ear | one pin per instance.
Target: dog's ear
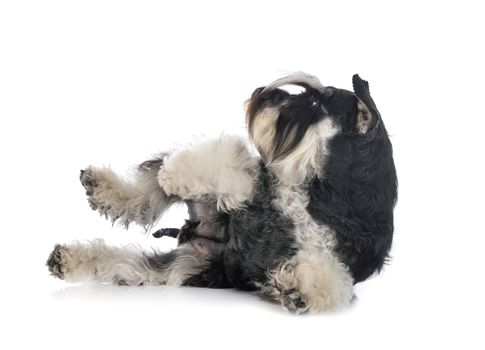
(368, 113)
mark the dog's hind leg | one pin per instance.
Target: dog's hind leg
(125, 266)
(141, 200)
(220, 170)
(309, 281)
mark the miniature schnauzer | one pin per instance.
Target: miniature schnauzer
(300, 223)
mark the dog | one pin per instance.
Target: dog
(300, 223)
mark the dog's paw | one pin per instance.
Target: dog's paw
(168, 181)
(293, 301)
(92, 180)
(88, 180)
(57, 261)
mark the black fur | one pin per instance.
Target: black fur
(213, 277)
(256, 238)
(168, 232)
(161, 261)
(355, 196)
(300, 112)
(260, 237)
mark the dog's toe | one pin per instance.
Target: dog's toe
(55, 262)
(293, 301)
(88, 180)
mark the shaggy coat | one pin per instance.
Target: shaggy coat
(301, 223)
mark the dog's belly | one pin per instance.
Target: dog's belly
(270, 231)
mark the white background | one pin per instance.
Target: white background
(112, 82)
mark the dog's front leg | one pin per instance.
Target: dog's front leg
(220, 170)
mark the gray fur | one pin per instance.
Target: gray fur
(127, 265)
(298, 77)
(141, 201)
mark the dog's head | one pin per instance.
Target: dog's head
(291, 130)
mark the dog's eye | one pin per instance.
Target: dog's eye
(313, 100)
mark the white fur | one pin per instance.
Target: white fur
(222, 170)
(292, 201)
(263, 131)
(127, 265)
(304, 161)
(314, 272)
(297, 77)
(316, 277)
(141, 200)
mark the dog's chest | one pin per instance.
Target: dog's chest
(292, 201)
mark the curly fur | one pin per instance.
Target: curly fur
(140, 201)
(301, 224)
(310, 281)
(222, 170)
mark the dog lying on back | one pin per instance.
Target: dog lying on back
(300, 224)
